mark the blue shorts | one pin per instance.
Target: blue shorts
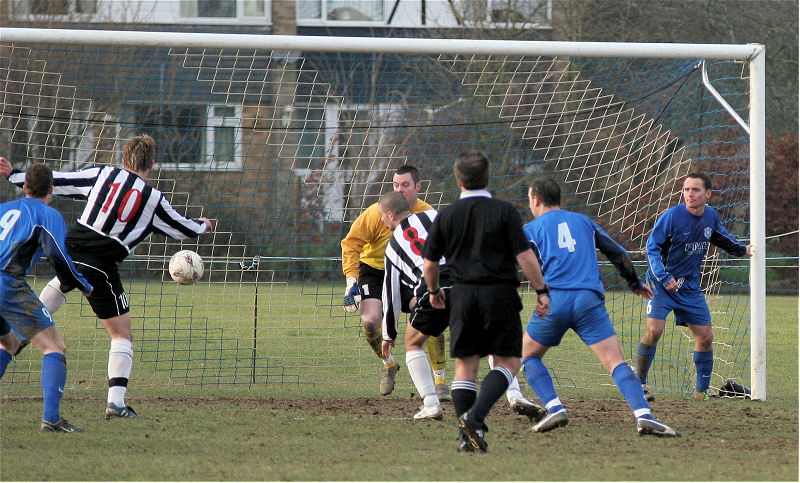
(20, 308)
(688, 304)
(583, 311)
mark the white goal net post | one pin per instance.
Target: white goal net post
(285, 139)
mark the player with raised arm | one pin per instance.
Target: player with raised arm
(403, 269)
(122, 210)
(29, 229)
(482, 240)
(675, 251)
(565, 244)
(362, 263)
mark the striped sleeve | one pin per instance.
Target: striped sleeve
(169, 222)
(69, 184)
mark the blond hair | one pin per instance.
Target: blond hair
(138, 154)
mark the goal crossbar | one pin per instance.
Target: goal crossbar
(380, 44)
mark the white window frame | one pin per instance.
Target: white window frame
(265, 19)
(519, 25)
(212, 122)
(324, 21)
(14, 7)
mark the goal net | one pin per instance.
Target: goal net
(284, 141)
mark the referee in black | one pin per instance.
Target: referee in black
(481, 238)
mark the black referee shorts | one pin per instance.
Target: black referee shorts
(108, 298)
(429, 320)
(484, 319)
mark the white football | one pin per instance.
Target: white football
(186, 267)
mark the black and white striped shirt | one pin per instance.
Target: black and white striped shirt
(403, 267)
(120, 207)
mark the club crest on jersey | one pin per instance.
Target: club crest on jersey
(707, 232)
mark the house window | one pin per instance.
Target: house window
(514, 12)
(52, 7)
(222, 8)
(341, 11)
(205, 137)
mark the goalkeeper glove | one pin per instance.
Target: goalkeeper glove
(352, 296)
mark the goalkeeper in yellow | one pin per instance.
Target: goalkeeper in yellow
(363, 264)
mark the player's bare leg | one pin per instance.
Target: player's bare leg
(371, 313)
(9, 345)
(647, 352)
(120, 361)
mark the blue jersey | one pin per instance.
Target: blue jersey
(679, 242)
(566, 242)
(29, 229)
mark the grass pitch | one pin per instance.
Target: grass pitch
(300, 433)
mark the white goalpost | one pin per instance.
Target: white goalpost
(284, 140)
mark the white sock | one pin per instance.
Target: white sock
(389, 361)
(120, 360)
(420, 370)
(52, 297)
(438, 375)
(513, 391)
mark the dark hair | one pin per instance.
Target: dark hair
(548, 191)
(703, 176)
(39, 180)
(472, 170)
(407, 168)
(138, 154)
(395, 202)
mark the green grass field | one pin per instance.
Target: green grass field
(306, 431)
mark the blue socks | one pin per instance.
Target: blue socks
(542, 383)
(703, 363)
(54, 376)
(630, 387)
(5, 358)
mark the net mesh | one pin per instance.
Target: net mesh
(285, 149)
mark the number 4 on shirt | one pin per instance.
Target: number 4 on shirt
(565, 239)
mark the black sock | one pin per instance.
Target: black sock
(493, 387)
(464, 394)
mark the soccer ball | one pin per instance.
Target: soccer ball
(186, 267)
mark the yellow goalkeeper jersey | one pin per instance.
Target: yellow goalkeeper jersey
(366, 241)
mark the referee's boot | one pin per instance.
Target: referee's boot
(474, 432)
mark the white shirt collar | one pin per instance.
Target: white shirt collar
(475, 193)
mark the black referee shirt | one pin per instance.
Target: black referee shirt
(480, 237)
